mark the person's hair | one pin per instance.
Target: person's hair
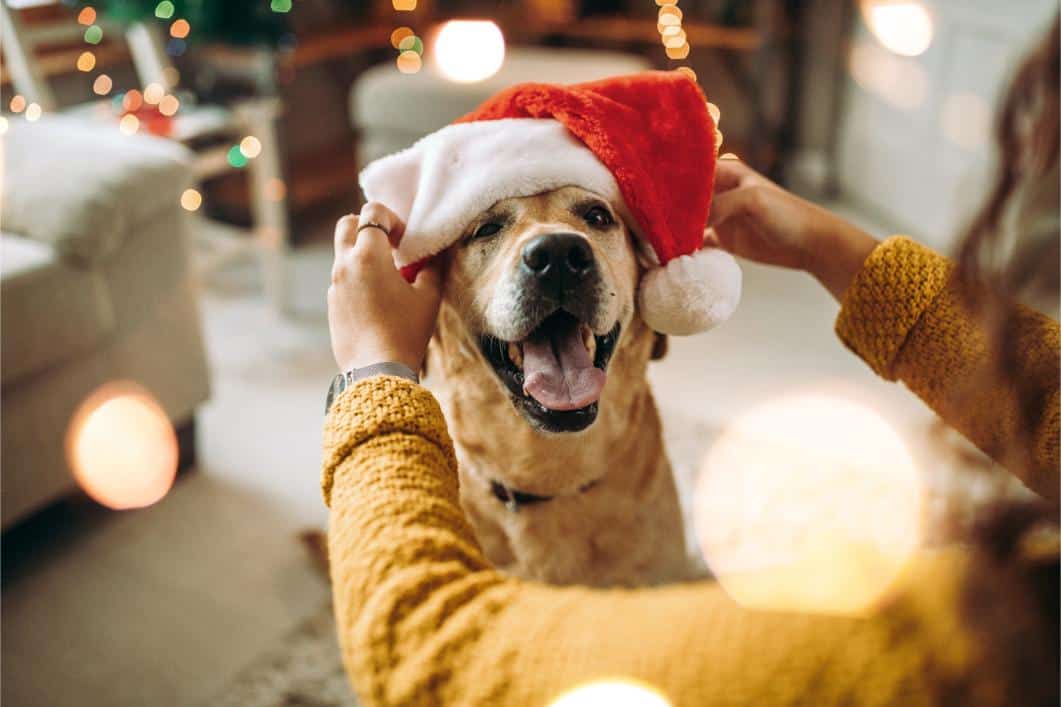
(1011, 250)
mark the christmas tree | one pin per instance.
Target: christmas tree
(226, 21)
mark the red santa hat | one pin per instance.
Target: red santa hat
(646, 143)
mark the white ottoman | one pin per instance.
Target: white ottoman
(392, 110)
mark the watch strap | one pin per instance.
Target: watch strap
(385, 368)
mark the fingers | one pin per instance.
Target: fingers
(428, 281)
(349, 230)
(742, 201)
(731, 174)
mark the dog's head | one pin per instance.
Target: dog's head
(544, 286)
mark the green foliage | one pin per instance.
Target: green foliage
(227, 21)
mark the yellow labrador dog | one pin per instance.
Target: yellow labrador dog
(540, 362)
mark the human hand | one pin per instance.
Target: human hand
(373, 313)
(753, 218)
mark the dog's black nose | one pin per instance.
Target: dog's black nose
(558, 259)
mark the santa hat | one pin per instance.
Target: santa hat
(646, 143)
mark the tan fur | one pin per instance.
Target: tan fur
(626, 529)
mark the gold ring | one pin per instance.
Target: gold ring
(373, 225)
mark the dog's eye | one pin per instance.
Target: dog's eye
(598, 216)
(486, 230)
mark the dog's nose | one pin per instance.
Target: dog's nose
(558, 259)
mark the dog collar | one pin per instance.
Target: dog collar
(513, 499)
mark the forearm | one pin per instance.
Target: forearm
(422, 618)
(905, 316)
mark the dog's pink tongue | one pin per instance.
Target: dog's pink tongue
(558, 372)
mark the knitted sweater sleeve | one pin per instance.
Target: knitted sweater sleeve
(423, 619)
(904, 315)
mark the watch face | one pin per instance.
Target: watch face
(338, 385)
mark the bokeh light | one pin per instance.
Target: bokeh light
(169, 105)
(687, 71)
(412, 43)
(250, 146)
(965, 119)
(903, 26)
(404, 5)
(153, 93)
(132, 100)
(236, 157)
(171, 76)
(176, 47)
(612, 692)
(87, 16)
(678, 52)
(86, 62)
(94, 34)
(713, 111)
(399, 34)
(191, 200)
(280, 6)
(275, 189)
(164, 10)
(898, 81)
(121, 447)
(33, 112)
(129, 124)
(102, 85)
(469, 50)
(809, 503)
(180, 29)
(18, 103)
(408, 62)
(3, 125)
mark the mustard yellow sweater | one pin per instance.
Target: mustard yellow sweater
(423, 619)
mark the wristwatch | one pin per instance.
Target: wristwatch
(344, 380)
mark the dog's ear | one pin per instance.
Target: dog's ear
(659, 347)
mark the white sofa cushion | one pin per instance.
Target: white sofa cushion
(83, 186)
(49, 311)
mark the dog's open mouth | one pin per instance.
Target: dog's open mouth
(557, 373)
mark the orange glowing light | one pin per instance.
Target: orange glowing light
(87, 16)
(678, 52)
(121, 447)
(404, 5)
(466, 51)
(670, 11)
(399, 34)
(250, 146)
(409, 62)
(180, 29)
(675, 40)
(692, 75)
(18, 103)
(153, 93)
(102, 85)
(168, 106)
(808, 486)
(712, 110)
(191, 200)
(133, 100)
(86, 62)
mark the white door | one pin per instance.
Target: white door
(916, 136)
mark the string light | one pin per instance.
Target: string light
(164, 10)
(33, 112)
(102, 85)
(409, 62)
(236, 157)
(129, 124)
(86, 62)
(169, 105)
(404, 5)
(280, 6)
(412, 43)
(250, 146)
(191, 200)
(18, 103)
(180, 29)
(94, 34)
(153, 93)
(669, 23)
(400, 34)
(132, 100)
(87, 16)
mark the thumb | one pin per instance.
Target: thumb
(428, 281)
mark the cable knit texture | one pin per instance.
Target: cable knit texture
(904, 315)
(423, 619)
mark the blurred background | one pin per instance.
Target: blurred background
(171, 174)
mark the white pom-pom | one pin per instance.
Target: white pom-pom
(691, 293)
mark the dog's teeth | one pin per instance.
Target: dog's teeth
(589, 340)
(515, 354)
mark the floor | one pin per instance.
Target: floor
(163, 606)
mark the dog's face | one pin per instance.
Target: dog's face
(544, 285)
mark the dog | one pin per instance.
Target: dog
(539, 360)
